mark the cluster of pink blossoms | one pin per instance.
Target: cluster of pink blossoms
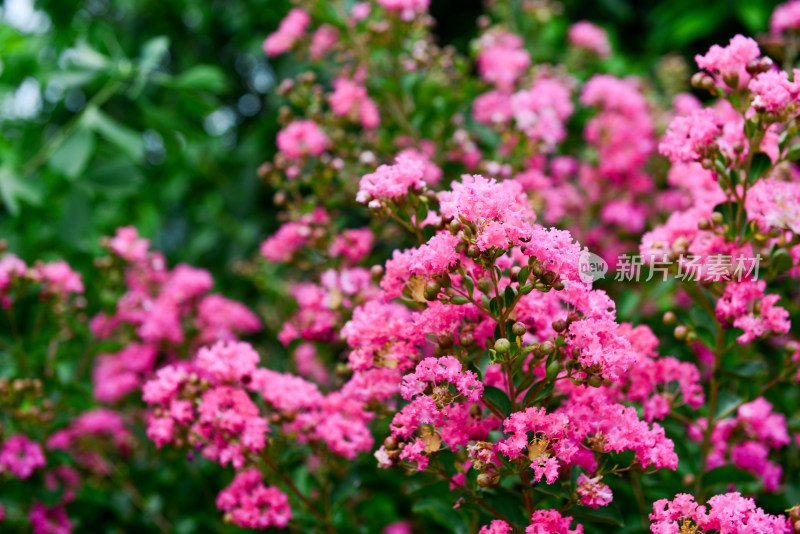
(502, 59)
(729, 513)
(302, 138)
(589, 37)
(157, 305)
(250, 504)
(56, 279)
(350, 99)
(21, 456)
(747, 439)
(543, 522)
(290, 30)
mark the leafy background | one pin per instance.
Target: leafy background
(158, 114)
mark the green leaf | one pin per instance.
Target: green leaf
(727, 404)
(531, 399)
(747, 369)
(793, 154)
(727, 474)
(422, 212)
(126, 139)
(522, 277)
(781, 261)
(201, 78)
(443, 514)
(761, 163)
(609, 515)
(153, 51)
(72, 157)
(14, 189)
(117, 176)
(469, 284)
(498, 398)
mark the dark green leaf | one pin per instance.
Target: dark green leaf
(498, 398)
(727, 474)
(72, 157)
(443, 514)
(758, 167)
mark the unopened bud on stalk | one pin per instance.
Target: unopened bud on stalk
(669, 318)
(680, 332)
(484, 285)
(717, 218)
(547, 347)
(486, 480)
(473, 252)
(502, 345)
(376, 271)
(519, 329)
(432, 290)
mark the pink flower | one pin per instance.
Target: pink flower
(586, 35)
(323, 40)
(283, 391)
(688, 137)
(392, 181)
(289, 31)
(408, 8)
(728, 514)
(229, 422)
(593, 493)
(785, 17)
(444, 369)
(774, 204)
(493, 107)
(350, 99)
(46, 520)
(502, 59)
(772, 91)
(250, 504)
(128, 245)
(729, 63)
(302, 138)
(21, 456)
(58, 278)
(228, 361)
(495, 527)
(220, 319)
(551, 522)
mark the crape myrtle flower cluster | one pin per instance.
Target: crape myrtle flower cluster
(500, 367)
(425, 295)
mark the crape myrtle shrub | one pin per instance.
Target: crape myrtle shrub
(456, 359)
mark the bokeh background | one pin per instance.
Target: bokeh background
(157, 114)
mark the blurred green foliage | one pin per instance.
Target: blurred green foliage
(158, 114)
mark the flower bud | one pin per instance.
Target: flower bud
(502, 345)
(432, 290)
(547, 348)
(552, 370)
(377, 273)
(519, 329)
(513, 273)
(559, 325)
(486, 480)
(680, 332)
(473, 252)
(717, 218)
(669, 318)
(484, 285)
